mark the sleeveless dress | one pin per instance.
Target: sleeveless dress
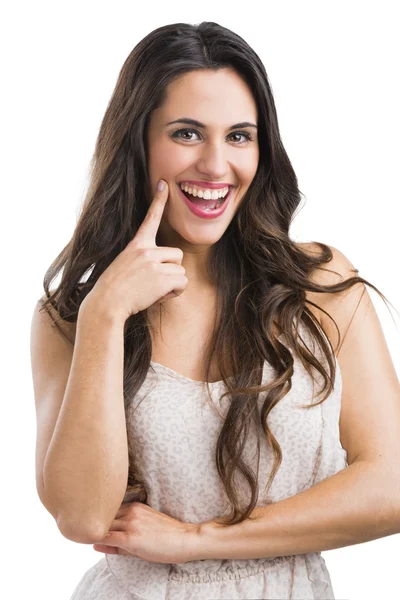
(175, 433)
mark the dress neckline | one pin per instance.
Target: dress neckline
(158, 366)
(168, 370)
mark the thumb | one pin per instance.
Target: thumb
(110, 549)
(112, 543)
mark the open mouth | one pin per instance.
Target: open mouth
(205, 204)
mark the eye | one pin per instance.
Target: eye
(177, 134)
(244, 134)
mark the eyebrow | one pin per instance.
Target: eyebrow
(198, 124)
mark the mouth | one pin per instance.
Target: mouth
(205, 208)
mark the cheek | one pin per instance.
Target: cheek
(245, 163)
(168, 159)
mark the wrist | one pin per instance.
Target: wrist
(95, 309)
(209, 540)
(193, 542)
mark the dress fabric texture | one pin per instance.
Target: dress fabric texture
(174, 430)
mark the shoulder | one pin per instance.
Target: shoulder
(52, 318)
(340, 305)
(335, 270)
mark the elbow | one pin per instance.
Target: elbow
(76, 532)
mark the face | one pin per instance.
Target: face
(212, 153)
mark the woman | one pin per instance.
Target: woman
(234, 490)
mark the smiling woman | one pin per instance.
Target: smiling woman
(222, 447)
(221, 154)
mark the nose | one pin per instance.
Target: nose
(212, 162)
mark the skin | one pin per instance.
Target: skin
(218, 100)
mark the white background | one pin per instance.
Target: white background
(333, 67)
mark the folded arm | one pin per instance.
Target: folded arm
(356, 505)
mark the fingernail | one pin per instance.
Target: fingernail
(161, 185)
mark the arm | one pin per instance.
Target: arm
(353, 506)
(362, 502)
(85, 469)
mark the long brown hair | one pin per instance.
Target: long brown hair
(260, 274)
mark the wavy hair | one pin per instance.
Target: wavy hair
(260, 274)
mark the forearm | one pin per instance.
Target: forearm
(358, 504)
(86, 467)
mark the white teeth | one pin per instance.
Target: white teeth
(206, 194)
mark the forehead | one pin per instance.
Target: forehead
(213, 97)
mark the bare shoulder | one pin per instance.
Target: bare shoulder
(334, 271)
(339, 263)
(50, 316)
(341, 306)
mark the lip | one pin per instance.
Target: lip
(204, 214)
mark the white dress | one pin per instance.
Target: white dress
(175, 432)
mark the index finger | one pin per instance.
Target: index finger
(147, 232)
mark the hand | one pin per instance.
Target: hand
(139, 530)
(142, 274)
